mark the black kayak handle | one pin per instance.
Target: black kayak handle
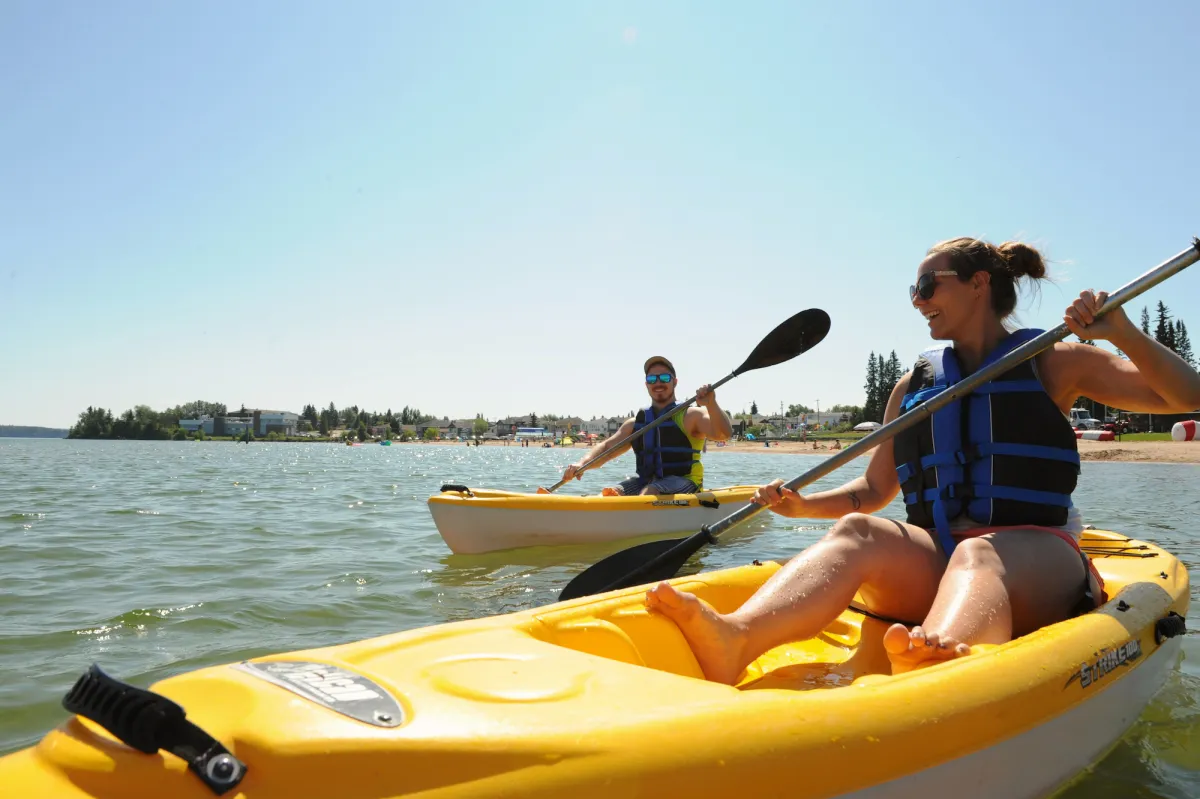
(148, 722)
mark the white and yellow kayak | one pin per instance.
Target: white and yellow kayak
(475, 520)
(599, 698)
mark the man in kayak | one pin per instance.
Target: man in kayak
(668, 456)
(989, 549)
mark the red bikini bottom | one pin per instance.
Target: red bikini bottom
(1096, 592)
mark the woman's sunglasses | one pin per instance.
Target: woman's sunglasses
(927, 284)
(665, 377)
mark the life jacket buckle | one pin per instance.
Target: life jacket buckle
(910, 471)
(971, 453)
(958, 491)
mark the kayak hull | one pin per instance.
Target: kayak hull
(482, 520)
(597, 697)
(1091, 729)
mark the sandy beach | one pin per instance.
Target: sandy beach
(1144, 451)
(1138, 451)
(1130, 451)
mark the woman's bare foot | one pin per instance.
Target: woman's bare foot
(715, 640)
(609, 491)
(910, 650)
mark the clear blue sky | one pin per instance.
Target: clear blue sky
(501, 208)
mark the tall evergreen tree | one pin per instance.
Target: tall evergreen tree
(886, 382)
(1164, 332)
(871, 406)
(1183, 344)
(894, 372)
(1145, 321)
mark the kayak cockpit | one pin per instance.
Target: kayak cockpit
(849, 650)
(622, 629)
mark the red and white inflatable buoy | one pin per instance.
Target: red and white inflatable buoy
(1186, 431)
(1095, 435)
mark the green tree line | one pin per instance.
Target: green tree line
(882, 376)
(144, 423)
(139, 422)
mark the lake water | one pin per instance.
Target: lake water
(153, 558)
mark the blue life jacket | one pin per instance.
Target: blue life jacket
(667, 449)
(1004, 455)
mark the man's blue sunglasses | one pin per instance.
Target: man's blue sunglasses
(665, 377)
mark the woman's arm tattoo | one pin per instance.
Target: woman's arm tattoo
(855, 502)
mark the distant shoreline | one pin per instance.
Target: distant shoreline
(31, 431)
(1112, 451)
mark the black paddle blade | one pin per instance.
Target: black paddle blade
(644, 563)
(793, 336)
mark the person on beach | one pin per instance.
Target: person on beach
(989, 550)
(667, 457)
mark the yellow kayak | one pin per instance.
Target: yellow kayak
(598, 698)
(475, 520)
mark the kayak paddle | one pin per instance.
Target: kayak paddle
(798, 334)
(660, 560)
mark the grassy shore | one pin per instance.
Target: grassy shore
(1145, 437)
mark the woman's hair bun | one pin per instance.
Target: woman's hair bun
(1022, 260)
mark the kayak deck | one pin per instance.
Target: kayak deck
(477, 520)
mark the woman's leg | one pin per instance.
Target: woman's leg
(997, 586)
(896, 566)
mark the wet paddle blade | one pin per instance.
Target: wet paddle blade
(634, 566)
(793, 336)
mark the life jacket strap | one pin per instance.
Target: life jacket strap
(1022, 495)
(907, 471)
(1028, 451)
(914, 398)
(941, 523)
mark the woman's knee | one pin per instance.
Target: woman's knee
(975, 554)
(855, 529)
(865, 534)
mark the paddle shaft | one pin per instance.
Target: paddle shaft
(605, 455)
(921, 412)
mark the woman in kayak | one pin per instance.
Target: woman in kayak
(990, 546)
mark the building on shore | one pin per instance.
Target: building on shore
(285, 423)
(259, 422)
(442, 426)
(205, 423)
(232, 425)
